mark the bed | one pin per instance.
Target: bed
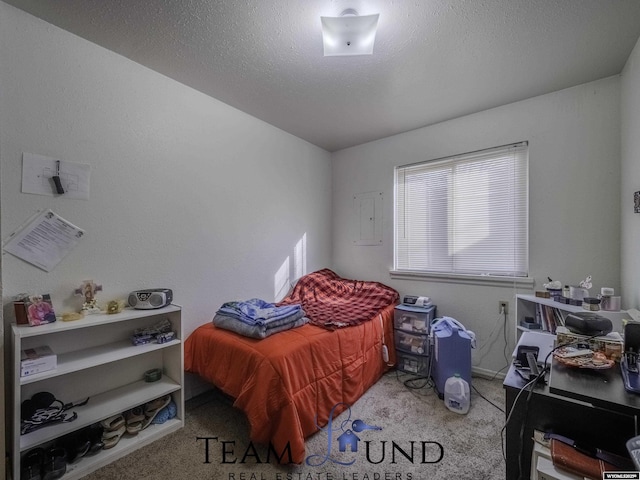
(286, 382)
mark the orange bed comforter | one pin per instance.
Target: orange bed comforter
(283, 381)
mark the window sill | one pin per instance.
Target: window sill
(486, 280)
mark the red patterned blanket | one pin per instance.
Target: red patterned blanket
(331, 301)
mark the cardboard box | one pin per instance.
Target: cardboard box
(37, 360)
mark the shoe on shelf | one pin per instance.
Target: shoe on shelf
(134, 419)
(113, 423)
(112, 437)
(167, 413)
(55, 463)
(76, 445)
(31, 464)
(152, 408)
(95, 432)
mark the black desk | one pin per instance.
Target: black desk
(603, 388)
(591, 407)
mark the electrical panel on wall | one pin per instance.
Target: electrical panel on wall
(367, 218)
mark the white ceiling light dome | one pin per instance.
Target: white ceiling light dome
(349, 34)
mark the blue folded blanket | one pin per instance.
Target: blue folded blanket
(258, 312)
(256, 318)
(258, 331)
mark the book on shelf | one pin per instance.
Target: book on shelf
(549, 318)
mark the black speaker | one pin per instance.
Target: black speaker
(589, 324)
(632, 337)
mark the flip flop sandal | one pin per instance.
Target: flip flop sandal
(113, 423)
(112, 437)
(152, 408)
(135, 419)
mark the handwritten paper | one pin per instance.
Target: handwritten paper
(38, 172)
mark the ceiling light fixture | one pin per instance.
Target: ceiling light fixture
(349, 34)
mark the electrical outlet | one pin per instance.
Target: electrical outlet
(504, 307)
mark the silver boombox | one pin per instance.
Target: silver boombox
(149, 299)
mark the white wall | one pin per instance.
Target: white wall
(186, 192)
(630, 152)
(574, 169)
(189, 193)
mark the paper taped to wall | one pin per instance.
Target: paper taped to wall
(44, 241)
(38, 172)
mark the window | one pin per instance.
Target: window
(466, 214)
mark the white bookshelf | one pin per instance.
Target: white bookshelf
(96, 359)
(526, 307)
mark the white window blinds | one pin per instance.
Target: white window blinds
(466, 214)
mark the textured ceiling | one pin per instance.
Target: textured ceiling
(433, 60)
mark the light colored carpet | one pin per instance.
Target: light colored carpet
(471, 443)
